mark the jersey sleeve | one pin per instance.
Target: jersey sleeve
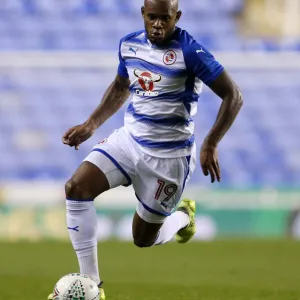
(122, 70)
(202, 63)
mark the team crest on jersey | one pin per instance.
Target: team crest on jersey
(170, 57)
(146, 81)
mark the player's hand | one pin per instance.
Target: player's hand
(209, 162)
(77, 135)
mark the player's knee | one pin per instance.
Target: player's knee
(143, 243)
(75, 190)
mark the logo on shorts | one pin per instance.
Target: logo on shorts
(103, 142)
(170, 57)
(146, 81)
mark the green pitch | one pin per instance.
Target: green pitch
(196, 271)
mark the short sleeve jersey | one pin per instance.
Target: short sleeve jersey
(165, 84)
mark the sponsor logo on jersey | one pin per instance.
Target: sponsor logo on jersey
(170, 57)
(146, 80)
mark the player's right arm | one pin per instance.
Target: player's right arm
(114, 97)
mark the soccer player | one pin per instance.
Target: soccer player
(162, 69)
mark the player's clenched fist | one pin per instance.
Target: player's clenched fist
(209, 162)
(77, 135)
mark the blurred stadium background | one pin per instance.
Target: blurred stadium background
(56, 60)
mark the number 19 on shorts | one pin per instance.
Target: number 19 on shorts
(168, 190)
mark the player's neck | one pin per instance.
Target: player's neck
(165, 43)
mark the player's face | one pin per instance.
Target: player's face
(160, 18)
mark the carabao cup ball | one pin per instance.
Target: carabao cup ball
(76, 286)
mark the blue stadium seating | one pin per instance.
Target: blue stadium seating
(87, 24)
(37, 106)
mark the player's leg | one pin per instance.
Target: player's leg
(87, 182)
(181, 224)
(146, 234)
(85, 185)
(159, 184)
(106, 167)
(159, 229)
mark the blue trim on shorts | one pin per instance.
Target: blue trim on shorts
(80, 200)
(116, 164)
(155, 212)
(188, 158)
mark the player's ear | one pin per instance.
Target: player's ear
(143, 11)
(178, 15)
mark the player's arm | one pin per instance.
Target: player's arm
(232, 102)
(202, 64)
(114, 97)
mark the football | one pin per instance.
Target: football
(76, 286)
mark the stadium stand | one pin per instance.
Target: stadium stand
(37, 106)
(98, 25)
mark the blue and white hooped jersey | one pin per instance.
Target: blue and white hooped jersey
(165, 84)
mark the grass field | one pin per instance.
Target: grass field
(207, 271)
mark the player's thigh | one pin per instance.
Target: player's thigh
(144, 233)
(106, 167)
(87, 182)
(159, 184)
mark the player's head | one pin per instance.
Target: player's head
(160, 17)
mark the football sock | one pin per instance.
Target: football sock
(82, 225)
(171, 226)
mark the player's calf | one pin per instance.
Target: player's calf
(86, 184)
(181, 223)
(144, 233)
(143, 243)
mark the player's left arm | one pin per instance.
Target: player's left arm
(232, 101)
(202, 64)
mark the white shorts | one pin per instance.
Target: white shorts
(158, 182)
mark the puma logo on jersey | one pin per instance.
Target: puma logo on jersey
(134, 51)
(200, 51)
